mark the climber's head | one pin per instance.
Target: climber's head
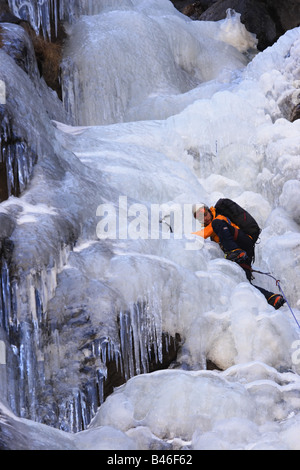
(202, 213)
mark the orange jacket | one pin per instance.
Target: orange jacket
(208, 230)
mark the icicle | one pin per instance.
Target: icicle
(6, 313)
(136, 328)
(126, 345)
(10, 172)
(140, 337)
(44, 15)
(100, 382)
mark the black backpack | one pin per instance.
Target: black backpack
(239, 217)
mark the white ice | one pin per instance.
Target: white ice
(171, 111)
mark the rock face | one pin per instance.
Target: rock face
(268, 19)
(295, 114)
(16, 41)
(3, 6)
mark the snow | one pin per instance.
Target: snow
(167, 112)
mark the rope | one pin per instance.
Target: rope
(279, 286)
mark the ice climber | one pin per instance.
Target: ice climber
(236, 244)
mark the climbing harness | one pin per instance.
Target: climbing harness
(279, 286)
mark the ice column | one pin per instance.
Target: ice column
(140, 339)
(23, 301)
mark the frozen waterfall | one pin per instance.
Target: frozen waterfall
(102, 283)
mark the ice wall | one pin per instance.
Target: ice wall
(161, 67)
(78, 306)
(43, 225)
(29, 263)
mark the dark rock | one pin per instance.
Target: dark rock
(3, 182)
(7, 248)
(4, 6)
(268, 19)
(194, 11)
(285, 14)
(16, 42)
(210, 365)
(182, 4)
(254, 15)
(15, 149)
(295, 114)
(8, 17)
(30, 51)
